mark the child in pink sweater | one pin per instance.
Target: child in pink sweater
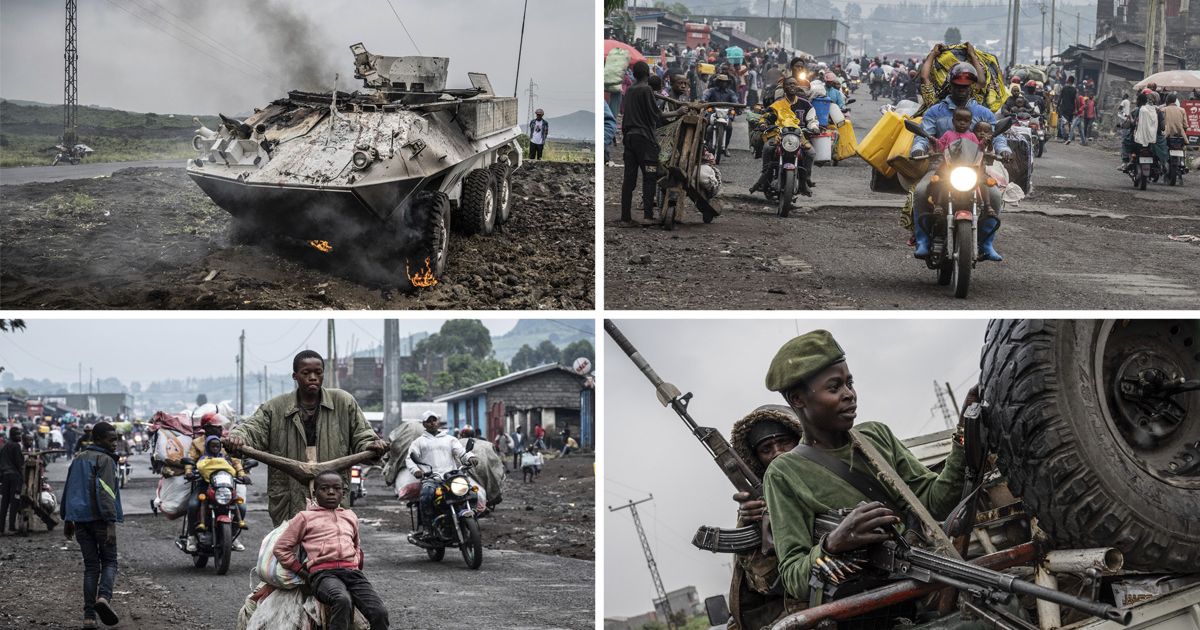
(962, 125)
(328, 534)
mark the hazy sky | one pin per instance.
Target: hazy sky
(149, 349)
(178, 56)
(649, 451)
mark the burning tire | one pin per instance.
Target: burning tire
(477, 206)
(503, 177)
(1096, 425)
(425, 261)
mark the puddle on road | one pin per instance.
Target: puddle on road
(791, 264)
(1138, 284)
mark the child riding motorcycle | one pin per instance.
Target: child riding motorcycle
(936, 122)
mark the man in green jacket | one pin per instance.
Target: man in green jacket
(313, 423)
(811, 373)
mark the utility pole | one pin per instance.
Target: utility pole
(658, 585)
(391, 376)
(331, 375)
(1151, 27)
(70, 80)
(1042, 49)
(91, 381)
(521, 46)
(266, 385)
(1007, 34)
(241, 361)
(1052, 40)
(1162, 34)
(1016, 23)
(80, 382)
(947, 415)
(532, 94)
(1077, 28)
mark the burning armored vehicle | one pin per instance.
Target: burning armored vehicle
(383, 172)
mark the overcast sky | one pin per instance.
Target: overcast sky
(724, 362)
(147, 350)
(179, 56)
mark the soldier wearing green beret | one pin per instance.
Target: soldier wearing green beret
(812, 374)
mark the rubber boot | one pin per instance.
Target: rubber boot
(923, 241)
(988, 226)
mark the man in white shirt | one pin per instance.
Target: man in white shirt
(539, 129)
(434, 453)
(853, 69)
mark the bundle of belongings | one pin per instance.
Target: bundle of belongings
(488, 474)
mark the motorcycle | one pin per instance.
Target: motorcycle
(1143, 166)
(140, 443)
(853, 84)
(1176, 165)
(124, 470)
(955, 231)
(357, 489)
(71, 155)
(789, 167)
(718, 121)
(454, 521)
(877, 86)
(215, 529)
(1037, 132)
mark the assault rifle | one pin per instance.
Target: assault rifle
(894, 559)
(743, 478)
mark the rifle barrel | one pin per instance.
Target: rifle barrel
(626, 346)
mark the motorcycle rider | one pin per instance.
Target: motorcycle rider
(1146, 126)
(833, 90)
(84, 440)
(213, 449)
(937, 121)
(722, 92)
(440, 451)
(795, 111)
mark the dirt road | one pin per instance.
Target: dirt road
(1084, 240)
(148, 238)
(85, 170)
(538, 569)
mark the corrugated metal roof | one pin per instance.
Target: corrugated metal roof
(475, 390)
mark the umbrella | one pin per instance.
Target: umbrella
(1173, 80)
(634, 55)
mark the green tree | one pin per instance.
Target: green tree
(547, 352)
(581, 348)
(952, 36)
(443, 382)
(413, 387)
(456, 336)
(678, 8)
(525, 358)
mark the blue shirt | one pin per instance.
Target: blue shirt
(836, 96)
(940, 118)
(716, 95)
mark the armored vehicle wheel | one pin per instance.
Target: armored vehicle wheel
(429, 216)
(477, 206)
(503, 177)
(1095, 423)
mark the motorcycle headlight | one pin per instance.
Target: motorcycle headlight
(223, 496)
(963, 178)
(790, 143)
(459, 486)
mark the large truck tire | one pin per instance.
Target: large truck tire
(429, 218)
(1076, 434)
(477, 206)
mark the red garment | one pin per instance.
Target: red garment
(329, 537)
(1089, 111)
(949, 137)
(539, 432)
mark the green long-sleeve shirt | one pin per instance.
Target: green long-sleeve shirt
(797, 489)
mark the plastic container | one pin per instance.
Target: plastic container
(823, 147)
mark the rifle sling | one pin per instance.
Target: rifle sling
(865, 484)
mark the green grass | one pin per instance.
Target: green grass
(562, 151)
(28, 134)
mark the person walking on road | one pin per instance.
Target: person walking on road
(12, 471)
(92, 509)
(518, 446)
(311, 424)
(539, 130)
(1066, 109)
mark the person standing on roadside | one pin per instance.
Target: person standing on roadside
(518, 446)
(639, 123)
(12, 479)
(92, 509)
(539, 130)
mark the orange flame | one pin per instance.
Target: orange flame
(322, 246)
(423, 278)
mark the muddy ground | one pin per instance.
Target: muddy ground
(148, 238)
(536, 542)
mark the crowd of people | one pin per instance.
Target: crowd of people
(528, 452)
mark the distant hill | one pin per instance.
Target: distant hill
(578, 125)
(533, 331)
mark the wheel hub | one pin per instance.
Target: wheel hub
(1147, 408)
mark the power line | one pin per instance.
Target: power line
(291, 354)
(410, 37)
(566, 325)
(194, 31)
